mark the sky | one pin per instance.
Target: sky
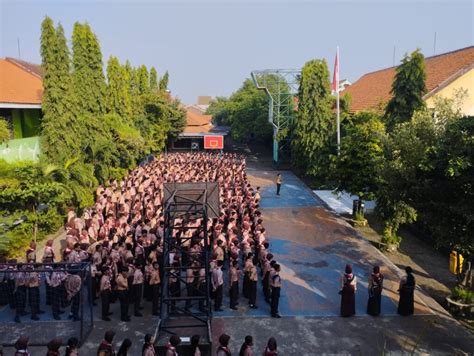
(210, 47)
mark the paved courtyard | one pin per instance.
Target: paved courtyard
(313, 246)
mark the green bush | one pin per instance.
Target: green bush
(463, 295)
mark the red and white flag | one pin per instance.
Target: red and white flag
(335, 75)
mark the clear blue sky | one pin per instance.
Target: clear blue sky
(210, 47)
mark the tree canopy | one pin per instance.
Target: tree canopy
(408, 88)
(314, 119)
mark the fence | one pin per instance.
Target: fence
(18, 300)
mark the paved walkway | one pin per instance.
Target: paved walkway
(313, 245)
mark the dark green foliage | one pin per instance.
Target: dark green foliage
(220, 110)
(88, 76)
(153, 79)
(448, 208)
(408, 89)
(56, 105)
(91, 132)
(314, 120)
(246, 112)
(361, 157)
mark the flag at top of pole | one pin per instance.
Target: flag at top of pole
(335, 75)
(335, 89)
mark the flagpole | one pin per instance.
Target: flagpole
(338, 120)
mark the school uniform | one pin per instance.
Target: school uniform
(137, 290)
(105, 292)
(155, 282)
(276, 288)
(217, 286)
(122, 291)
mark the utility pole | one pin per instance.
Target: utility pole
(18, 42)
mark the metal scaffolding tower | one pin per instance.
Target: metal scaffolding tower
(281, 87)
(188, 206)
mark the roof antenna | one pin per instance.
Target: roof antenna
(393, 60)
(19, 53)
(434, 45)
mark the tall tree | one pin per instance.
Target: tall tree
(118, 97)
(153, 79)
(408, 88)
(361, 157)
(143, 80)
(314, 122)
(164, 81)
(88, 75)
(56, 104)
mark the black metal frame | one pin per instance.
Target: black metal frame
(187, 201)
(84, 269)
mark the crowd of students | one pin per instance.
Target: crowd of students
(107, 348)
(122, 237)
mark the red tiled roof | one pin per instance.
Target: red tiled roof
(197, 123)
(372, 90)
(18, 84)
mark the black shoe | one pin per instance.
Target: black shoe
(126, 319)
(110, 313)
(138, 314)
(253, 306)
(156, 314)
(106, 318)
(219, 310)
(233, 308)
(17, 319)
(57, 317)
(276, 316)
(34, 317)
(23, 313)
(62, 311)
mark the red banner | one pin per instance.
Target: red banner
(213, 142)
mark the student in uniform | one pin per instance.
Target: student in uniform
(20, 293)
(123, 295)
(253, 277)
(148, 348)
(266, 277)
(218, 285)
(106, 347)
(155, 282)
(33, 285)
(278, 181)
(137, 285)
(223, 349)
(275, 284)
(105, 292)
(246, 348)
(234, 275)
(55, 280)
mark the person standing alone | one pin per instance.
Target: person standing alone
(278, 181)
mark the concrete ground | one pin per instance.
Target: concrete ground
(313, 245)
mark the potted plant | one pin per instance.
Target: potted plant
(461, 301)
